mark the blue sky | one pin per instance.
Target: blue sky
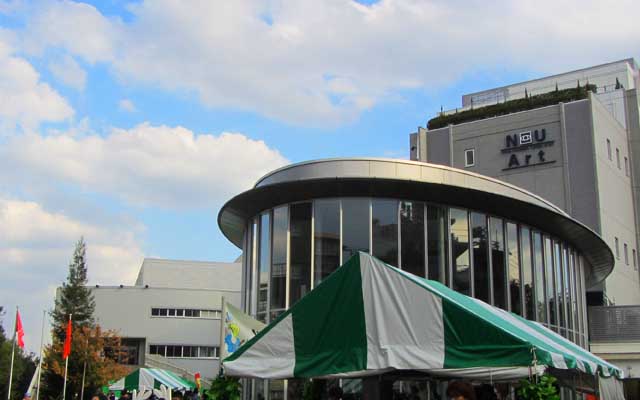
(130, 123)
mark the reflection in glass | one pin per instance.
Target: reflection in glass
(498, 260)
(527, 274)
(412, 237)
(384, 230)
(279, 262)
(326, 238)
(437, 243)
(514, 268)
(538, 267)
(480, 240)
(355, 227)
(567, 291)
(460, 251)
(253, 268)
(300, 269)
(559, 287)
(573, 292)
(550, 284)
(264, 263)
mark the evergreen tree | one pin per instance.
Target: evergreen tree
(74, 297)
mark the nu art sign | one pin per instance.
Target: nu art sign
(527, 149)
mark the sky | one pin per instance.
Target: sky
(130, 123)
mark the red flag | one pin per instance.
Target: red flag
(67, 342)
(19, 330)
(198, 380)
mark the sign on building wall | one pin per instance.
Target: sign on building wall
(527, 149)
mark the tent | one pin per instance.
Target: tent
(369, 318)
(151, 378)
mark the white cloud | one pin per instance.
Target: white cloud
(25, 101)
(147, 165)
(69, 72)
(36, 246)
(327, 61)
(127, 105)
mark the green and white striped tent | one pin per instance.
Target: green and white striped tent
(151, 378)
(370, 318)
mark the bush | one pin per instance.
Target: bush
(512, 106)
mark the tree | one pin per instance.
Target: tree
(97, 349)
(74, 297)
(24, 365)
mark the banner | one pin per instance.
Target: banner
(238, 328)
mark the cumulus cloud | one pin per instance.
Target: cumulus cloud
(36, 245)
(127, 105)
(69, 72)
(327, 61)
(25, 101)
(147, 165)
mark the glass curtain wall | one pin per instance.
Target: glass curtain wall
(355, 227)
(514, 268)
(540, 282)
(326, 234)
(480, 241)
(300, 257)
(461, 266)
(412, 243)
(437, 243)
(264, 264)
(498, 262)
(278, 287)
(384, 230)
(527, 274)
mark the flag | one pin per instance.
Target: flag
(238, 328)
(19, 331)
(67, 342)
(197, 376)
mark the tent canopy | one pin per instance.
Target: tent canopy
(370, 318)
(151, 378)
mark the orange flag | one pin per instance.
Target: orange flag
(19, 330)
(67, 342)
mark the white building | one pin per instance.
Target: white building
(172, 311)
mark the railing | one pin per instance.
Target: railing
(614, 324)
(156, 361)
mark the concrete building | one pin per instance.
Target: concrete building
(582, 155)
(480, 236)
(170, 317)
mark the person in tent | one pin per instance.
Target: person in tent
(460, 390)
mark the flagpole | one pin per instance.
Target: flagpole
(13, 352)
(84, 369)
(223, 317)
(44, 313)
(66, 367)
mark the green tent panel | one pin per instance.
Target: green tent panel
(151, 378)
(369, 318)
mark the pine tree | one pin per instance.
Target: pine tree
(74, 297)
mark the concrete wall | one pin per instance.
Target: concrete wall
(189, 274)
(616, 201)
(128, 311)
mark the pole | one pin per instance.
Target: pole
(66, 367)
(223, 317)
(44, 313)
(13, 352)
(84, 370)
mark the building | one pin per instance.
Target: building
(170, 317)
(578, 149)
(481, 236)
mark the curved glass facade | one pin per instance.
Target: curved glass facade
(291, 248)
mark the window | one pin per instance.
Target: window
(513, 269)
(617, 249)
(635, 260)
(279, 261)
(626, 166)
(384, 230)
(609, 149)
(412, 237)
(155, 312)
(498, 262)
(618, 157)
(326, 238)
(180, 312)
(437, 243)
(163, 312)
(626, 254)
(480, 244)
(470, 157)
(300, 251)
(460, 245)
(171, 312)
(355, 227)
(186, 351)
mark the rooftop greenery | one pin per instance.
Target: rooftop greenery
(512, 106)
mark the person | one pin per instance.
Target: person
(335, 393)
(112, 396)
(460, 390)
(27, 396)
